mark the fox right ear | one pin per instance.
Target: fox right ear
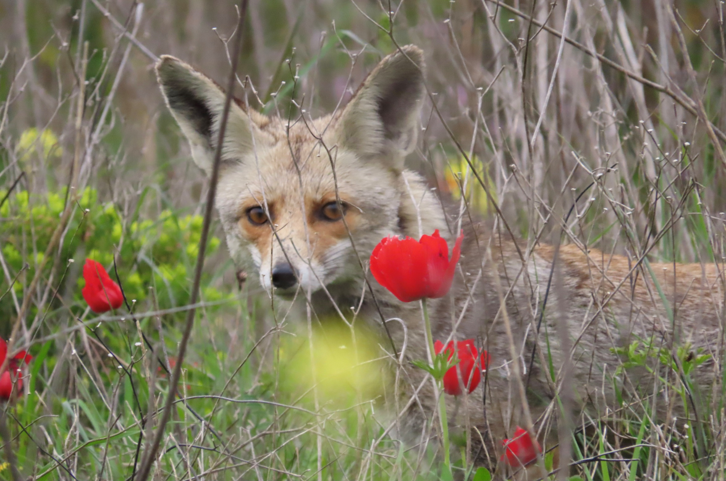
(196, 102)
(382, 118)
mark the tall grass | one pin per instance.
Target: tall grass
(543, 98)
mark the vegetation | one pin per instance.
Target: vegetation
(621, 123)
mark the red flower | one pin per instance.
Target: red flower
(413, 270)
(101, 293)
(11, 375)
(521, 450)
(468, 371)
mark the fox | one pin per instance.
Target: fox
(304, 201)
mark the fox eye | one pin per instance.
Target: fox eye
(332, 211)
(256, 215)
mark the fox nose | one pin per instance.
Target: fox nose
(283, 276)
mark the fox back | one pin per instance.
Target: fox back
(303, 202)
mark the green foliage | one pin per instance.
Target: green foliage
(638, 353)
(482, 474)
(441, 365)
(83, 410)
(157, 253)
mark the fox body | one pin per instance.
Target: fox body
(303, 203)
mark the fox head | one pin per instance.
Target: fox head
(303, 198)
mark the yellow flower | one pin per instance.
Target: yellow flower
(44, 141)
(454, 175)
(342, 366)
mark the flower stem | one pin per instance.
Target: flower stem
(444, 430)
(429, 335)
(437, 393)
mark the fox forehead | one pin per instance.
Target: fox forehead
(291, 168)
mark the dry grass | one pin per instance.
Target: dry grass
(543, 98)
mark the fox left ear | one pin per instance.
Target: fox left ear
(196, 102)
(381, 119)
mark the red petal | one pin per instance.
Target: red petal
(470, 374)
(6, 385)
(399, 266)
(378, 269)
(413, 270)
(435, 242)
(451, 269)
(467, 372)
(467, 348)
(3, 350)
(101, 292)
(437, 261)
(411, 276)
(97, 303)
(23, 356)
(115, 296)
(444, 276)
(438, 347)
(520, 450)
(437, 250)
(92, 272)
(451, 382)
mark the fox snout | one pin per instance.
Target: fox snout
(293, 266)
(289, 269)
(284, 276)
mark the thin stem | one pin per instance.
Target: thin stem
(437, 391)
(444, 429)
(429, 335)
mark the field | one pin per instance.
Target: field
(594, 122)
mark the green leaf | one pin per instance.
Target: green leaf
(441, 365)
(446, 474)
(424, 366)
(482, 474)
(549, 460)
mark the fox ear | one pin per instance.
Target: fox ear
(197, 103)
(381, 119)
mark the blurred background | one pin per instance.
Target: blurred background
(544, 98)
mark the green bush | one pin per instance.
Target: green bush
(157, 254)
